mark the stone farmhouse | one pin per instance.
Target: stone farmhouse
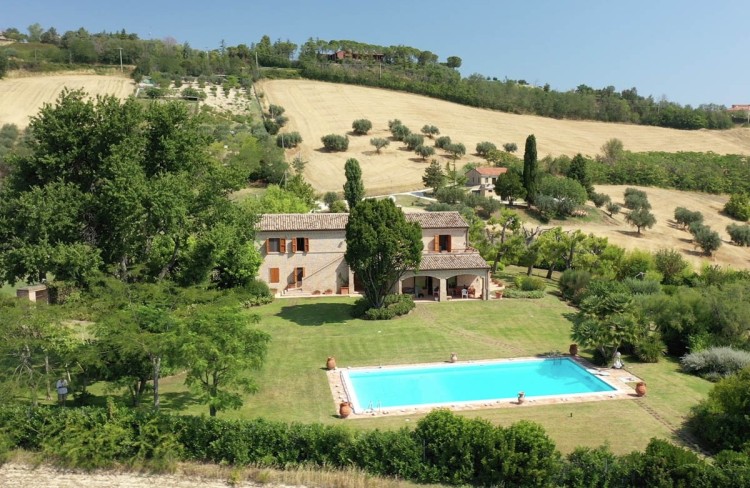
(303, 254)
(484, 176)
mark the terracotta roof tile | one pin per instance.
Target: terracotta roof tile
(337, 221)
(452, 260)
(484, 171)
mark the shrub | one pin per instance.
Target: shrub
(442, 142)
(425, 151)
(361, 126)
(275, 110)
(281, 120)
(510, 147)
(399, 132)
(484, 148)
(413, 141)
(600, 199)
(740, 234)
(636, 199)
(379, 143)
(456, 150)
(430, 130)
(271, 126)
(573, 284)
(705, 238)
(393, 306)
(738, 206)
(335, 142)
(288, 140)
(613, 209)
(686, 218)
(529, 283)
(722, 420)
(642, 287)
(515, 293)
(650, 349)
(715, 362)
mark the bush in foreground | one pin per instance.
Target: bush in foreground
(393, 306)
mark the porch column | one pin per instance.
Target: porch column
(443, 290)
(400, 286)
(486, 286)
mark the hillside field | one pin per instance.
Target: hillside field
(317, 108)
(22, 97)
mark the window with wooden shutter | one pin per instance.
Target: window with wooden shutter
(437, 243)
(274, 244)
(294, 245)
(450, 243)
(273, 275)
(268, 246)
(307, 244)
(282, 245)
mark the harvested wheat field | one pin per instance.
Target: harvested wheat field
(666, 233)
(22, 97)
(317, 108)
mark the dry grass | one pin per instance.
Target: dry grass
(317, 108)
(666, 234)
(22, 97)
(27, 469)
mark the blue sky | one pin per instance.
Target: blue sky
(690, 51)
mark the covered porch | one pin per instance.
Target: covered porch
(445, 276)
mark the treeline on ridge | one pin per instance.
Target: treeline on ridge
(401, 68)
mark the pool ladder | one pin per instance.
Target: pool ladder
(371, 408)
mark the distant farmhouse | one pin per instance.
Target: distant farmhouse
(484, 176)
(341, 55)
(741, 108)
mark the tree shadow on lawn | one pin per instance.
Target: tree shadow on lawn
(177, 401)
(315, 314)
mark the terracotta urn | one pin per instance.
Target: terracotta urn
(454, 357)
(640, 388)
(345, 409)
(499, 294)
(573, 350)
(331, 363)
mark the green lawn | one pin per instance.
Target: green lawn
(293, 385)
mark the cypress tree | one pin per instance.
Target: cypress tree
(354, 189)
(530, 169)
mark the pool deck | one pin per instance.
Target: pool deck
(620, 379)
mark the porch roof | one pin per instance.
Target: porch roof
(446, 261)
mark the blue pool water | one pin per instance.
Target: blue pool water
(461, 383)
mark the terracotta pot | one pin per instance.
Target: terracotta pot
(640, 389)
(344, 290)
(331, 363)
(573, 349)
(345, 409)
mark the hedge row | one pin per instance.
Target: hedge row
(443, 448)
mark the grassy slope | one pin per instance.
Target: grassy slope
(293, 385)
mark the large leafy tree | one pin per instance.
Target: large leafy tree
(112, 186)
(381, 246)
(509, 186)
(530, 169)
(641, 218)
(218, 348)
(354, 189)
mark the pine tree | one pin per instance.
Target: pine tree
(530, 169)
(354, 189)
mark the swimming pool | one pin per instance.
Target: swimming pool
(451, 384)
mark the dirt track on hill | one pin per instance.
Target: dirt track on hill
(317, 108)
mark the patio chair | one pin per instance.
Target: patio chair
(464, 293)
